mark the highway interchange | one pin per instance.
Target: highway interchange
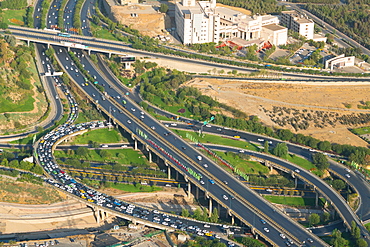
(170, 147)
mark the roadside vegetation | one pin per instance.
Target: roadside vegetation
(97, 136)
(82, 157)
(294, 201)
(26, 193)
(133, 188)
(353, 19)
(20, 87)
(146, 43)
(165, 89)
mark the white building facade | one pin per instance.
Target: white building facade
(298, 23)
(203, 22)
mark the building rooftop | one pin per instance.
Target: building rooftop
(268, 17)
(246, 43)
(190, 9)
(300, 18)
(274, 27)
(227, 11)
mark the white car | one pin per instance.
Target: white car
(207, 226)
(297, 170)
(266, 229)
(225, 197)
(347, 175)
(261, 140)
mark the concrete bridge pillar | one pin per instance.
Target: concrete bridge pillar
(135, 142)
(317, 199)
(196, 192)
(168, 172)
(189, 189)
(96, 215)
(150, 156)
(48, 45)
(89, 52)
(109, 54)
(28, 43)
(210, 207)
(69, 48)
(218, 209)
(232, 220)
(295, 182)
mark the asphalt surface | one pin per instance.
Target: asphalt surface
(149, 122)
(155, 138)
(329, 27)
(337, 200)
(114, 46)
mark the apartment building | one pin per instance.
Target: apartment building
(298, 23)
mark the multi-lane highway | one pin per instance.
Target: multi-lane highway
(108, 46)
(181, 155)
(157, 138)
(62, 181)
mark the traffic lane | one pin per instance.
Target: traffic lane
(216, 189)
(357, 181)
(244, 192)
(68, 15)
(159, 127)
(37, 14)
(84, 18)
(196, 61)
(335, 198)
(52, 16)
(362, 186)
(51, 87)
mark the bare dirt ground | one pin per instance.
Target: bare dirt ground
(148, 21)
(320, 107)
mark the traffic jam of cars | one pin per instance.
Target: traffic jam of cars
(63, 181)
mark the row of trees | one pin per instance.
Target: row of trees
(352, 19)
(13, 4)
(201, 215)
(44, 11)
(24, 165)
(28, 19)
(76, 17)
(256, 7)
(60, 14)
(152, 45)
(165, 85)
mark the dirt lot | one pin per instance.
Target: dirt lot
(147, 20)
(308, 108)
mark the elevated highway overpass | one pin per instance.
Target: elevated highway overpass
(154, 141)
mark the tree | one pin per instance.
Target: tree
(214, 216)
(82, 151)
(321, 161)
(163, 8)
(281, 150)
(337, 240)
(361, 243)
(314, 219)
(325, 217)
(338, 184)
(104, 154)
(266, 147)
